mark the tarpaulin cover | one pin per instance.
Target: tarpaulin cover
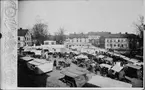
(27, 58)
(108, 82)
(105, 65)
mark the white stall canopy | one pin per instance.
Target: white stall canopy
(101, 56)
(108, 82)
(82, 56)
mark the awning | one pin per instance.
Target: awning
(108, 82)
(117, 68)
(133, 66)
(108, 59)
(106, 65)
(100, 56)
(27, 58)
(72, 72)
(82, 56)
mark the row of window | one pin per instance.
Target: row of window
(49, 43)
(21, 38)
(77, 40)
(116, 40)
(117, 45)
(77, 45)
(28, 38)
(24, 44)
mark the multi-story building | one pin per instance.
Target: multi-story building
(94, 37)
(119, 41)
(77, 40)
(24, 38)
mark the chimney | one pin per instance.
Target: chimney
(20, 28)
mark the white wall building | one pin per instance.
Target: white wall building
(117, 41)
(77, 41)
(24, 38)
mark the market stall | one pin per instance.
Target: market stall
(133, 71)
(105, 65)
(100, 56)
(40, 66)
(81, 57)
(74, 77)
(27, 58)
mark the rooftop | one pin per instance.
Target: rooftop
(103, 34)
(78, 35)
(120, 35)
(22, 32)
(99, 33)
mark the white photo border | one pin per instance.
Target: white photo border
(9, 27)
(9, 24)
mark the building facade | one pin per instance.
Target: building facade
(120, 41)
(116, 43)
(77, 40)
(24, 38)
(94, 37)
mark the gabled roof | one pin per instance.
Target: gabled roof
(22, 32)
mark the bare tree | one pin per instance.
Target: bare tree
(60, 36)
(139, 28)
(40, 32)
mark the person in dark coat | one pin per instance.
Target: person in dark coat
(54, 64)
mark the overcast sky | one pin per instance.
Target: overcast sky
(82, 15)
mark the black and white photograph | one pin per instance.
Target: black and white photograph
(80, 44)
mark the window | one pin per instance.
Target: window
(110, 40)
(118, 40)
(122, 45)
(77, 40)
(114, 45)
(52, 43)
(126, 45)
(107, 44)
(18, 38)
(107, 40)
(114, 40)
(118, 45)
(122, 40)
(80, 40)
